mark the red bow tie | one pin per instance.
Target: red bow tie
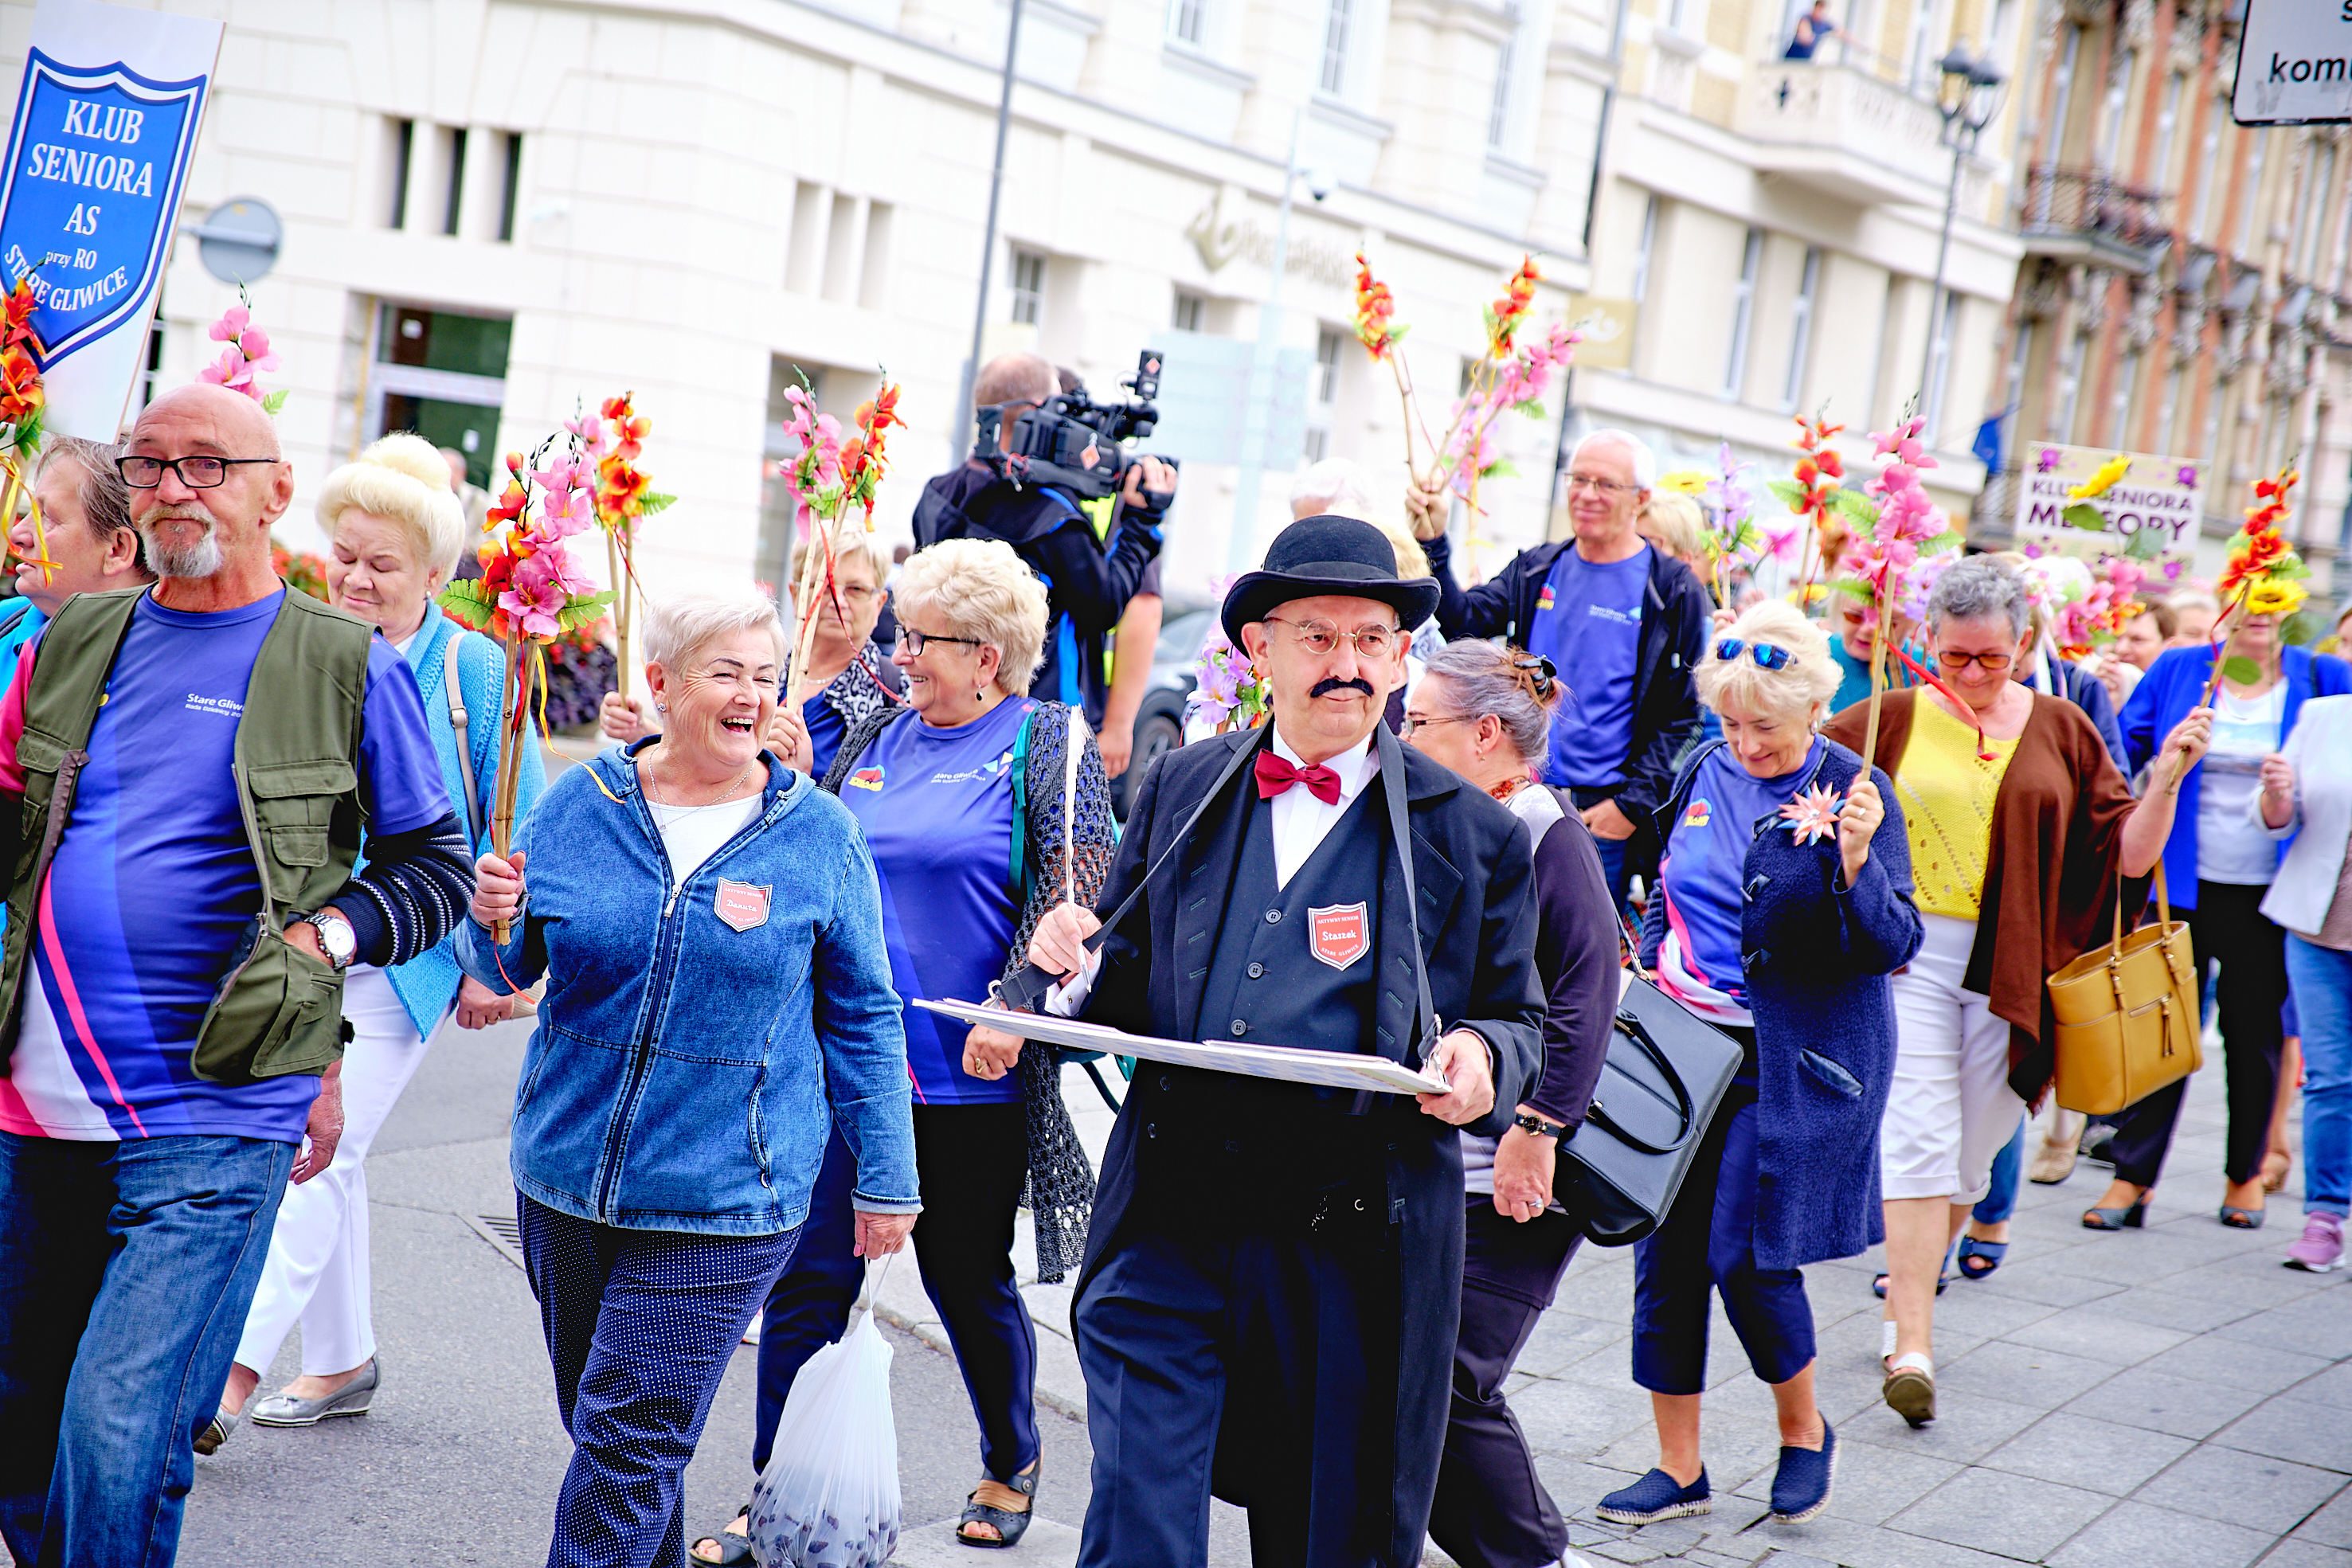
(1274, 775)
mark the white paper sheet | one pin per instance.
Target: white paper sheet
(1325, 1069)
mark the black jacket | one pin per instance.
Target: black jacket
(1474, 872)
(1089, 579)
(1675, 615)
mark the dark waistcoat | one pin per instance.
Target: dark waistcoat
(1293, 966)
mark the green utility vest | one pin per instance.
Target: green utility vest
(278, 1010)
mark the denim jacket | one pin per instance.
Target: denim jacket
(685, 1074)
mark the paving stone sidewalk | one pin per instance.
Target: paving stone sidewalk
(2170, 1397)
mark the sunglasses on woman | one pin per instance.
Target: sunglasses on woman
(1767, 655)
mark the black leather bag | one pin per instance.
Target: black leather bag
(1659, 1089)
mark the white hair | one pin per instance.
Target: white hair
(1335, 485)
(678, 627)
(1645, 462)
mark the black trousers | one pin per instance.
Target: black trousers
(1492, 1510)
(2227, 926)
(972, 1161)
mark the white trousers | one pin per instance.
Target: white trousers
(317, 1271)
(1951, 1109)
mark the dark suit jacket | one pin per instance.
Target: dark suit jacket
(1474, 870)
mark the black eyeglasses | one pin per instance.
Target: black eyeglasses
(196, 473)
(1766, 655)
(911, 641)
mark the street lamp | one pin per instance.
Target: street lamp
(1967, 96)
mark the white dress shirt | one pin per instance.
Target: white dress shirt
(1301, 822)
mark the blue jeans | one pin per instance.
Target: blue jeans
(2000, 1201)
(640, 1327)
(126, 1271)
(1613, 851)
(2322, 979)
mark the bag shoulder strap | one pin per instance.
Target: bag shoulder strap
(1392, 786)
(1020, 766)
(465, 745)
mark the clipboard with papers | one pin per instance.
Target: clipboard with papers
(1292, 1064)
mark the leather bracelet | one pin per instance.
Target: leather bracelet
(1538, 1126)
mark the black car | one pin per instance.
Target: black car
(1160, 720)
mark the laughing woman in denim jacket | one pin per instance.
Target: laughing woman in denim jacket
(719, 998)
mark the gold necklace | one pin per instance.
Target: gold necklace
(730, 790)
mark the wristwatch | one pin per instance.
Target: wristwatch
(1538, 1126)
(335, 934)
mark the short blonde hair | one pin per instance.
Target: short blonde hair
(676, 628)
(1676, 518)
(979, 589)
(405, 480)
(857, 542)
(1795, 690)
(1412, 560)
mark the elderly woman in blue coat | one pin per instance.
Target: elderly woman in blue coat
(717, 1002)
(1784, 903)
(395, 531)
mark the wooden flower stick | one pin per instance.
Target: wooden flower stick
(805, 604)
(502, 806)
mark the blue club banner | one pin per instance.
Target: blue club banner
(100, 139)
(96, 160)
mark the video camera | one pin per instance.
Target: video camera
(1071, 440)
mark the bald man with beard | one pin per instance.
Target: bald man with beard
(173, 1030)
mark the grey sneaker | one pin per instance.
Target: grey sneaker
(284, 1410)
(2322, 1247)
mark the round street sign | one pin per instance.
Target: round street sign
(238, 240)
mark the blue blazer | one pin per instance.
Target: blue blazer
(428, 983)
(2163, 698)
(1815, 956)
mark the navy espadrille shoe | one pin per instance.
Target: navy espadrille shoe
(1655, 1497)
(1800, 1487)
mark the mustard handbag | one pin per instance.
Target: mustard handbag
(2127, 1016)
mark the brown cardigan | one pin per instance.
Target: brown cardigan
(2057, 844)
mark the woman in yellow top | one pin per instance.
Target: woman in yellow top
(2017, 839)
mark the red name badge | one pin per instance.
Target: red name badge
(742, 905)
(1339, 935)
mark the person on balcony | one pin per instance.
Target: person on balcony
(1814, 28)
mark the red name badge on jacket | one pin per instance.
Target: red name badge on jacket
(742, 905)
(1339, 934)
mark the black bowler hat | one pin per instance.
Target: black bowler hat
(1327, 554)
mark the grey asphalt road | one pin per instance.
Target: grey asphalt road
(461, 1458)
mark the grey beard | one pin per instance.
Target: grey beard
(202, 559)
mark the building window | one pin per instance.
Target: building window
(2315, 212)
(1028, 286)
(455, 183)
(1498, 112)
(151, 377)
(1800, 331)
(2252, 194)
(2119, 403)
(1743, 313)
(1190, 314)
(511, 193)
(1328, 340)
(2209, 169)
(1641, 250)
(2070, 388)
(1187, 20)
(442, 375)
(1939, 365)
(2168, 121)
(1337, 18)
(2111, 113)
(2169, 408)
(403, 151)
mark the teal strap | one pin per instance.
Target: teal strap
(1021, 812)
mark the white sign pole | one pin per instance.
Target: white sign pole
(104, 127)
(2294, 64)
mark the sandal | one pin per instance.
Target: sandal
(1878, 1284)
(2238, 1218)
(1979, 1258)
(2133, 1218)
(2274, 1175)
(732, 1544)
(1010, 1526)
(1910, 1387)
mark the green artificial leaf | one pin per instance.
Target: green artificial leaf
(2289, 568)
(28, 434)
(1397, 332)
(1852, 587)
(654, 501)
(1787, 490)
(2242, 670)
(1950, 539)
(582, 610)
(2303, 629)
(1853, 506)
(2143, 544)
(1532, 407)
(1501, 468)
(467, 593)
(273, 403)
(2084, 515)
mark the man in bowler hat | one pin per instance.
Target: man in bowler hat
(1267, 1307)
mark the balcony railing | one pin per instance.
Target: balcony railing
(2084, 214)
(1847, 131)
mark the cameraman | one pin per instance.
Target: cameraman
(1089, 579)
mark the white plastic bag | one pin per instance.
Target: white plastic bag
(829, 1497)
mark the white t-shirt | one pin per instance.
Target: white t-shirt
(692, 834)
(2229, 847)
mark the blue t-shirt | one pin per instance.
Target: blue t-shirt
(827, 732)
(154, 881)
(937, 808)
(18, 624)
(1706, 854)
(1587, 623)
